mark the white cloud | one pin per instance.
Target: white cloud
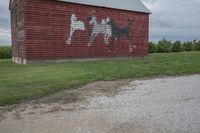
(4, 33)
(5, 36)
(175, 20)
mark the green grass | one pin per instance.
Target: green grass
(22, 82)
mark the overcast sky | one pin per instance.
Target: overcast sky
(172, 19)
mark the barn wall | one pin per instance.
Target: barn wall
(48, 24)
(18, 31)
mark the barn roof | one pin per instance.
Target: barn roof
(131, 5)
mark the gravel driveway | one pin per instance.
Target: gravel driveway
(161, 105)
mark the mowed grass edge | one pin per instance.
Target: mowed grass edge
(22, 82)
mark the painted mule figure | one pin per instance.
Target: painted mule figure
(75, 25)
(100, 28)
(118, 33)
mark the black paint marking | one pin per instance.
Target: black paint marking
(118, 33)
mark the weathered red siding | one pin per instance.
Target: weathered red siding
(18, 30)
(47, 27)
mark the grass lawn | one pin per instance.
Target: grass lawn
(21, 82)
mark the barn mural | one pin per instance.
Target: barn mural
(107, 27)
(57, 30)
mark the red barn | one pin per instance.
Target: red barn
(58, 30)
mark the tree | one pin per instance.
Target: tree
(164, 46)
(188, 46)
(177, 46)
(152, 47)
(197, 46)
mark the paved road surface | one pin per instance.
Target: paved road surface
(163, 105)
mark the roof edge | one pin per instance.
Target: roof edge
(9, 5)
(87, 4)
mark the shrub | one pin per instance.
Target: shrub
(188, 46)
(197, 46)
(152, 47)
(5, 52)
(164, 46)
(177, 46)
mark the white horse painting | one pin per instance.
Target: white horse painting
(102, 28)
(75, 25)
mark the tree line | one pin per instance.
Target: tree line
(166, 46)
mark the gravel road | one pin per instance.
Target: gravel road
(161, 105)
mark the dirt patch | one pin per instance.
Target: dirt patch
(106, 88)
(68, 100)
(2, 114)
